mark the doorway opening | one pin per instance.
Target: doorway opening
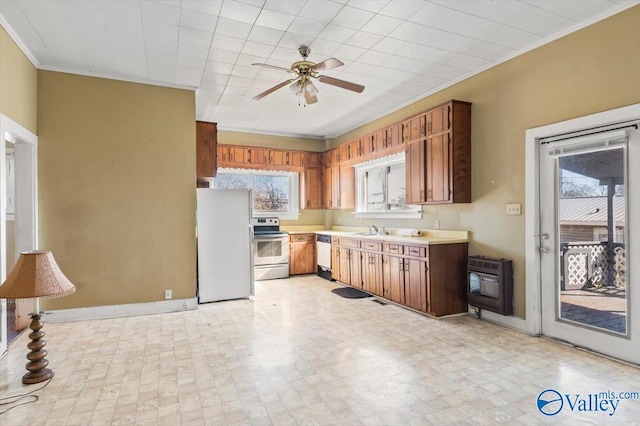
(18, 185)
(582, 238)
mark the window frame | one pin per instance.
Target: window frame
(294, 191)
(411, 212)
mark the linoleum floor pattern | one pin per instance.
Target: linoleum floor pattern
(297, 354)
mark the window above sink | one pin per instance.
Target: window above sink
(381, 190)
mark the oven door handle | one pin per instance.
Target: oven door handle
(269, 237)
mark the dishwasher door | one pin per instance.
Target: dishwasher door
(323, 249)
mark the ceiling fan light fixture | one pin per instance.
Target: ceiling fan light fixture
(311, 88)
(304, 71)
(296, 87)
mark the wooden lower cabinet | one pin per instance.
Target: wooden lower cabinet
(428, 278)
(355, 268)
(393, 278)
(335, 258)
(372, 273)
(302, 254)
(416, 284)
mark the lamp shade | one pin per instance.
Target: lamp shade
(36, 274)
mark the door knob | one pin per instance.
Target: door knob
(545, 249)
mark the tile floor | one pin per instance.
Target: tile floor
(298, 354)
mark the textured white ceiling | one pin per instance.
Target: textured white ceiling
(400, 50)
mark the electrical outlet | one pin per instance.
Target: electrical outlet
(436, 224)
(514, 209)
(168, 294)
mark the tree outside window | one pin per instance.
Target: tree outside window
(274, 193)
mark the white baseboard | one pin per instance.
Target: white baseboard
(116, 311)
(510, 321)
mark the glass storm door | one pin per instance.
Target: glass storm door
(588, 232)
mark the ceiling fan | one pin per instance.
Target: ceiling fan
(306, 70)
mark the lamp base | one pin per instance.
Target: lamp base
(41, 376)
(37, 357)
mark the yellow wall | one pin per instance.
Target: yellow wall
(270, 141)
(592, 70)
(18, 84)
(116, 167)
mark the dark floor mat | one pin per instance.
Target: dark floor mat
(350, 293)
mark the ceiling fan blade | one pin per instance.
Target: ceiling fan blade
(311, 99)
(342, 83)
(273, 89)
(273, 67)
(328, 64)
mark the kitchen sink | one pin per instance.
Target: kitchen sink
(368, 234)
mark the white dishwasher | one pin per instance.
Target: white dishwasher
(323, 249)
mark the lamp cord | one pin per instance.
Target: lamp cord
(15, 398)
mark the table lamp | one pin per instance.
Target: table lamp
(36, 275)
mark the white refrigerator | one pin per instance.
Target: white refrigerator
(225, 244)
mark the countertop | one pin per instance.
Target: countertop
(428, 237)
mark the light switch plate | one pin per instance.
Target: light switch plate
(514, 209)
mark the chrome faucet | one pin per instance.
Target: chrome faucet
(372, 228)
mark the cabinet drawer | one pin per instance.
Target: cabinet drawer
(393, 248)
(335, 240)
(417, 251)
(296, 238)
(347, 242)
(370, 245)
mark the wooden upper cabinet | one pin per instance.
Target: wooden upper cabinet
(379, 141)
(311, 194)
(355, 149)
(294, 158)
(313, 159)
(415, 164)
(339, 187)
(223, 155)
(414, 128)
(277, 157)
(347, 198)
(256, 156)
(366, 145)
(438, 120)
(344, 153)
(206, 150)
(327, 187)
(237, 154)
(394, 136)
(438, 167)
(327, 158)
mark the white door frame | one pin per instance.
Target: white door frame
(532, 207)
(26, 215)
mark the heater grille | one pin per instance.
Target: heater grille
(490, 284)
